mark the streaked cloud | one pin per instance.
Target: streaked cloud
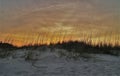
(71, 16)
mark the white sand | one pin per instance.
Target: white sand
(51, 64)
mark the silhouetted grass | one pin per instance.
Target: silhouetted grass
(6, 49)
(71, 46)
(81, 47)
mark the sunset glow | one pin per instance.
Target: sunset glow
(24, 22)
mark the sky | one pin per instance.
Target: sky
(25, 22)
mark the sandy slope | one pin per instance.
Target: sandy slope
(52, 64)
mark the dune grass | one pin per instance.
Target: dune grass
(72, 47)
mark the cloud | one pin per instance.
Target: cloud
(64, 14)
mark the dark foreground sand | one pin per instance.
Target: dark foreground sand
(52, 64)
